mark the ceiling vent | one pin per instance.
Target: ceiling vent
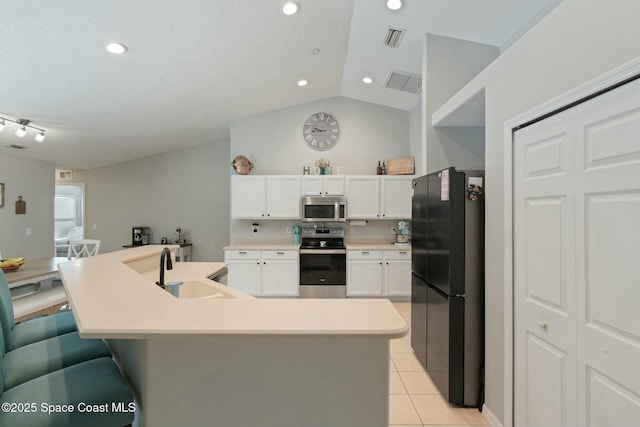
(17, 147)
(404, 81)
(393, 37)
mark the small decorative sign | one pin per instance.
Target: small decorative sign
(21, 206)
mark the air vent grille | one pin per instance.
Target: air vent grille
(393, 37)
(404, 81)
(17, 147)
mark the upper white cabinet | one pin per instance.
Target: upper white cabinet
(278, 196)
(396, 197)
(379, 197)
(283, 196)
(259, 196)
(247, 196)
(322, 185)
(363, 197)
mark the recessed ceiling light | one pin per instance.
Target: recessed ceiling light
(367, 80)
(303, 83)
(394, 4)
(290, 7)
(116, 48)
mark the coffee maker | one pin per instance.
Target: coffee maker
(139, 236)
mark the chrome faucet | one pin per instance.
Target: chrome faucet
(166, 253)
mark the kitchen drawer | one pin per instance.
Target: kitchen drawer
(279, 254)
(402, 254)
(241, 255)
(354, 255)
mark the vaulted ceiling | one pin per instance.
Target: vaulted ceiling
(193, 66)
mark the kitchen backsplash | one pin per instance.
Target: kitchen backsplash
(275, 231)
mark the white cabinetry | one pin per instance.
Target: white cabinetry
(280, 273)
(263, 273)
(379, 197)
(364, 273)
(373, 273)
(395, 202)
(397, 273)
(363, 197)
(244, 271)
(322, 185)
(258, 197)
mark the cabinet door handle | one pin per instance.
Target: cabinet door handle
(402, 252)
(279, 253)
(365, 253)
(242, 253)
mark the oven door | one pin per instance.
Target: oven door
(323, 273)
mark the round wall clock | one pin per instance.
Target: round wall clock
(321, 131)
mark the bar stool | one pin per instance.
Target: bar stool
(32, 330)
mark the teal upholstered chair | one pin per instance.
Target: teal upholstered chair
(95, 382)
(63, 370)
(43, 357)
(32, 330)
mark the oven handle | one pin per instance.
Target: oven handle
(322, 251)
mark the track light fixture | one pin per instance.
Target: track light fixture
(22, 130)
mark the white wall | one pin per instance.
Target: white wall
(34, 181)
(578, 41)
(416, 149)
(187, 188)
(368, 133)
(450, 64)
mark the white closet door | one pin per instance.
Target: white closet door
(608, 255)
(544, 275)
(577, 265)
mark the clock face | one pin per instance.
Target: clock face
(321, 131)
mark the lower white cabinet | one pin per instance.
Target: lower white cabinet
(280, 273)
(364, 273)
(372, 273)
(263, 273)
(397, 273)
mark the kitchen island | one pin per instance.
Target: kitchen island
(230, 359)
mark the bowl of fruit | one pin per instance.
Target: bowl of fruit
(11, 264)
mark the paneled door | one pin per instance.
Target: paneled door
(577, 265)
(544, 275)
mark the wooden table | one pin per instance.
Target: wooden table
(34, 270)
(43, 302)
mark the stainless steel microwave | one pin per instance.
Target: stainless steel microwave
(324, 209)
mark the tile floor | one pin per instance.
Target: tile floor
(414, 401)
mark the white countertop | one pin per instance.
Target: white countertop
(377, 247)
(112, 300)
(262, 247)
(291, 247)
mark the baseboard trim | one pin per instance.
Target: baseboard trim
(493, 421)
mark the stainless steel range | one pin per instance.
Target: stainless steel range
(323, 263)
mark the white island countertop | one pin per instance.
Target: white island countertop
(110, 299)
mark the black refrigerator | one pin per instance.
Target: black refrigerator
(447, 282)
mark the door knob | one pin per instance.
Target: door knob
(543, 324)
